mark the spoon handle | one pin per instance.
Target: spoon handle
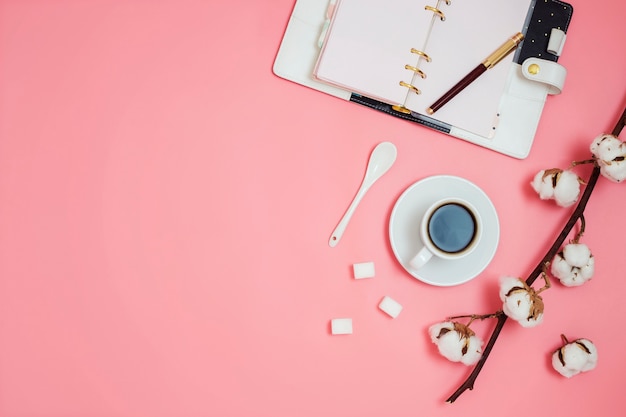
(343, 223)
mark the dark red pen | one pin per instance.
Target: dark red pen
(497, 56)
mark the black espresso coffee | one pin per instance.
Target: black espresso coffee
(452, 228)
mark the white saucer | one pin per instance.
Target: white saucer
(404, 230)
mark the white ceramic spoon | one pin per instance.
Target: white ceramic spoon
(382, 158)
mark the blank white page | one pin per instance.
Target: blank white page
(471, 32)
(369, 43)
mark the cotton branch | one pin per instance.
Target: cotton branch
(539, 269)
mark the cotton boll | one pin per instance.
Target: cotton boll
(456, 342)
(519, 307)
(610, 154)
(573, 266)
(520, 302)
(562, 186)
(573, 358)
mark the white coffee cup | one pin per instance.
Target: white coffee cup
(450, 229)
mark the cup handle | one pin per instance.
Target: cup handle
(421, 258)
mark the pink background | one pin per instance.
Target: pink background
(165, 207)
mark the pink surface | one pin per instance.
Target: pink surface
(165, 207)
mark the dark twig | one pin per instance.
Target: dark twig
(576, 215)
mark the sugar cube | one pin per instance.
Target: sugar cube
(341, 326)
(364, 270)
(390, 306)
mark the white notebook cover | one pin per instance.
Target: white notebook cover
(520, 101)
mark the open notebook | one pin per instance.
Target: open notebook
(406, 49)
(379, 53)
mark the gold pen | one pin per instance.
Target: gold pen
(498, 55)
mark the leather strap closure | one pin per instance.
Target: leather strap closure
(546, 72)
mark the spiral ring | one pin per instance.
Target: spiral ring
(436, 11)
(410, 87)
(421, 53)
(415, 70)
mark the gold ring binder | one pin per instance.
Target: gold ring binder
(436, 11)
(415, 70)
(421, 53)
(410, 87)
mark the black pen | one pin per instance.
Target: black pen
(497, 56)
